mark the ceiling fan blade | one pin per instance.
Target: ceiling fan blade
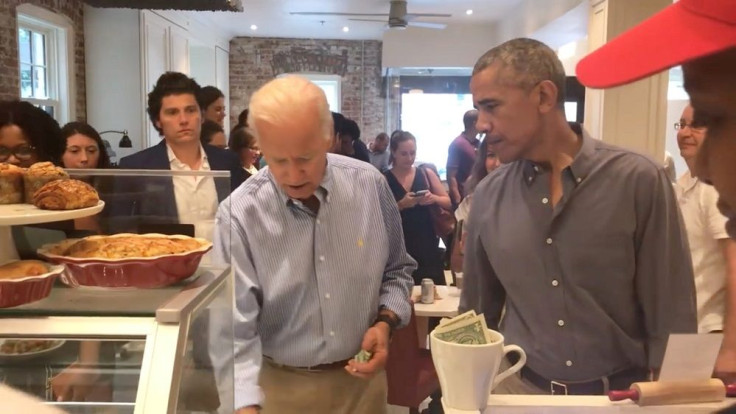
(428, 25)
(337, 14)
(415, 15)
(368, 20)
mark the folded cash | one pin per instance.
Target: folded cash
(363, 356)
(468, 328)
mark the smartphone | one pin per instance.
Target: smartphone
(421, 193)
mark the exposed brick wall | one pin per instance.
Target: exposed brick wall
(252, 64)
(9, 76)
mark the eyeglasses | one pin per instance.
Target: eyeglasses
(695, 126)
(22, 152)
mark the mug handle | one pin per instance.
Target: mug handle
(514, 368)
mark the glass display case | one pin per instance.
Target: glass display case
(95, 345)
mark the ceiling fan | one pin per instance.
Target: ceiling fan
(398, 18)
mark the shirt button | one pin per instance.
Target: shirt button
(545, 200)
(318, 222)
(561, 322)
(332, 333)
(578, 179)
(555, 282)
(568, 363)
(321, 258)
(549, 241)
(530, 178)
(327, 295)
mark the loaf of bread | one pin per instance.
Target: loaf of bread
(11, 184)
(65, 195)
(22, 268)
(38, 174)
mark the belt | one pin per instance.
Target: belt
(314, 368)
(621, 380)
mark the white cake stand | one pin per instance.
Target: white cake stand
(19, 214)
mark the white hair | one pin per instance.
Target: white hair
(277, 101)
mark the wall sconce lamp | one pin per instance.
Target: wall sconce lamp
(125, 141)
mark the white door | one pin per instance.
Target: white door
(179, 49)
(222, 80)
(155, 62)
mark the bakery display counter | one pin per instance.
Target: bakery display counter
(156, 347)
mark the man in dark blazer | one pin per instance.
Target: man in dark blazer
(173, 110)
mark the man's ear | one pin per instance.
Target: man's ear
(548, 93)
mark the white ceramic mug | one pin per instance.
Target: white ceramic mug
(468, 373)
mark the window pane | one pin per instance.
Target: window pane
(24, 45)
(39, 48)
(39, 83)
(26, 88)
(49, 109)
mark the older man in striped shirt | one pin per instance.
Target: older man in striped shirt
(320, 266)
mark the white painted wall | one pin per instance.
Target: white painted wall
(527, 19)
(451, 47)
(113, 74)
(554, 22)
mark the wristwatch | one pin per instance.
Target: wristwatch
(392, 323)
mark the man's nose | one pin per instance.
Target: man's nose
(482, 125)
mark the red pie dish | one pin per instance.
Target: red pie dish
(21, 290)
(127, 260)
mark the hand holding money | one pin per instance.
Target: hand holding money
(468, 328)
(373, 352)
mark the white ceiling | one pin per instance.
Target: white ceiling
(273, 19)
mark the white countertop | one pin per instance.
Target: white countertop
(445, 307)
(557, 404)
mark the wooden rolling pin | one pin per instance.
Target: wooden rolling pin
(675, 392)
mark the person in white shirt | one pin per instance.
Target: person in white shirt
(713, 253)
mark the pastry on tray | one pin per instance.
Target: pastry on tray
(121, 247)
(65, 195)
(25, 281)
(127, 260)
(38, 174)
(11, 184)
(22, 268)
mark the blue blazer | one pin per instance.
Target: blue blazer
(152, 199)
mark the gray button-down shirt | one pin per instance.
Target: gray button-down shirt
(592, 286)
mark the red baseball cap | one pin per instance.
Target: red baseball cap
(681, 32)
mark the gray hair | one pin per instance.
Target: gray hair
(276, 101)
(525, 63)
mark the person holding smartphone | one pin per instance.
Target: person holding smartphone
(415, 189)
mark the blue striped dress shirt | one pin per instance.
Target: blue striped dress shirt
(308, 286)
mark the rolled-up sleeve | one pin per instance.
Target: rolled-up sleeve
(247, 355)
(397, 280)
(482, 291)
(664, 272)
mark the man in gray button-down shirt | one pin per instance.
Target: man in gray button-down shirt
(581, 241)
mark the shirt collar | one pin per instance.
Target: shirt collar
(581, 165)
(687, 181)
(173, 159)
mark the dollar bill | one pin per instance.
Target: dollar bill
(471, 331)
(459, 318)
(363, 356)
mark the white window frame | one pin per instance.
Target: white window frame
(59, 34)
(322, 80)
